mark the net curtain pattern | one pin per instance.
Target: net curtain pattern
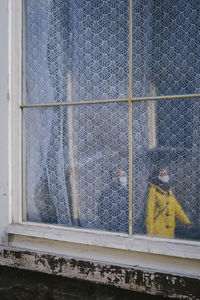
(73, 54)
(78, 51)
(166, 61)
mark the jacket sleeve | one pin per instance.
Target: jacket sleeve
(150, 211)
(180, 215)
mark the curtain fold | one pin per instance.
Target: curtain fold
(76, 51)
(46, 71)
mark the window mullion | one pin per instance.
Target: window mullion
(130, 118)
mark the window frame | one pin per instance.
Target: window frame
(47, 233)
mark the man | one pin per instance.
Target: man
(113, 205)
(162, 207)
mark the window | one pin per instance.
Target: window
(111, 109)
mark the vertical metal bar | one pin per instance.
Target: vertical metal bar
(130, 50)
(23, 121)
(130, 118)
(130, 170)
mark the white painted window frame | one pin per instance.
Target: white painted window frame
(32, 235)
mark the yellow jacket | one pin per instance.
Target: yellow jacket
(162, 209)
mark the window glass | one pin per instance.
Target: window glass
(166, 50)
(166, 168)
(77, 166)
(76, 50)
(76, 157)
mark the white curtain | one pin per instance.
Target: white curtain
(75, 51)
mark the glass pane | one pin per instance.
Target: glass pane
(77, 166)
(76, 50)
(166, 168)
(166, 47)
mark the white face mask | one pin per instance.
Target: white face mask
(123, 180)
(164, 178)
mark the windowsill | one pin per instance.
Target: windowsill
(138, 243)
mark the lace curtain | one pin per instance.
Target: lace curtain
(166, 60)
(77, 51)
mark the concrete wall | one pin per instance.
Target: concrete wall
(27, 285)
(127, 278)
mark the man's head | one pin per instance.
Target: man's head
(163, 175)
(120, 176)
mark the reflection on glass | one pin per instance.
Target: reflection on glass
(77, 157)
(77, 166)
(86, 39)
(166, 47)
(162, 207)
(113, 204)
(168, 208)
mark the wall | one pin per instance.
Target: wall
(125, 277)
(27, 285)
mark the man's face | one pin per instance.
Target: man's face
(163, 175)
(121, 177)
(120, 173)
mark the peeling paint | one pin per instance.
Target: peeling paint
(131, 278)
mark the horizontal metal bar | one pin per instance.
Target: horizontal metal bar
(166, 97)
(113, 101)
(73, 103)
